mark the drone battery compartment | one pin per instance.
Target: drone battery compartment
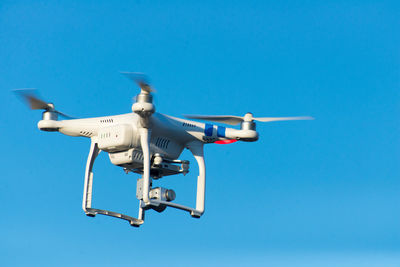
(115, 138)
(126, 157)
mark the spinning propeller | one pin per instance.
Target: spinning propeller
(141, 80)
(34, 102)
(234, 120)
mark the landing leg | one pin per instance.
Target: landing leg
(88, 188)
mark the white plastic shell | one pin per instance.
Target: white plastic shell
(126, 157)
(115, 138)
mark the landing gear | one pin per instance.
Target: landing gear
(157, 198)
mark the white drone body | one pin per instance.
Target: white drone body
(150, 144)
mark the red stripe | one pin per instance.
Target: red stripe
(225, 142)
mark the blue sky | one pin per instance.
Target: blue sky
(312, 193)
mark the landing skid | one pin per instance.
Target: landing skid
(133, 221)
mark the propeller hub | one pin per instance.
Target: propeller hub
(50, 106)
(248, 117)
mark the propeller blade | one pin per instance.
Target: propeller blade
(65, 115)
(140, 79)
(227, 119)
(234, 120)
(30, 97)
(269, 119)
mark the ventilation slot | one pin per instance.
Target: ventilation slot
(107, 121)
(185, 124)
(162, 143)
(86, 133)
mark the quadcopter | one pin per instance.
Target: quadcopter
(148, 143)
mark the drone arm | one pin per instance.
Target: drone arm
(198, 152)
(76, 127)
(243, 135)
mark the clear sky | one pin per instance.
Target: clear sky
(311, 193)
